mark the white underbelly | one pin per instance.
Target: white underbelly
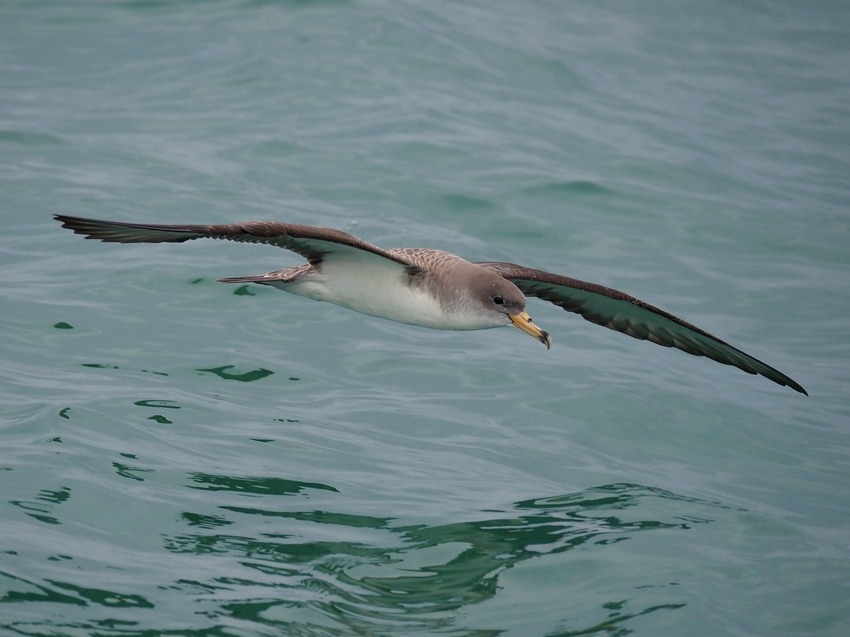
(379, 290)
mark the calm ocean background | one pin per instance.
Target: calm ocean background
(183, 457)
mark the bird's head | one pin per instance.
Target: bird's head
(501, 298)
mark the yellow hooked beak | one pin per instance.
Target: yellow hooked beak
(523, 322)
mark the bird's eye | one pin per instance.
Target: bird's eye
(498, 300)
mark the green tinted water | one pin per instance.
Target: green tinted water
(182, 457)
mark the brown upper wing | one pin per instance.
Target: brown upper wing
(310, 242)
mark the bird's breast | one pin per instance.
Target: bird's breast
(385, 291)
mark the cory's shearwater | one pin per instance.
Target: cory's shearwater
(432, 288)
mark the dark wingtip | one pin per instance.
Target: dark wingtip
(797, 387)
(63, 219)
(79, 225)
(781, 379)
(71, 223)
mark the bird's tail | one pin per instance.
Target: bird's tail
(257, 278)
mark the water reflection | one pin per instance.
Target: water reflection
(42, 506)
(225, 372)
(370, 574)
(259, 486)
(267, 560)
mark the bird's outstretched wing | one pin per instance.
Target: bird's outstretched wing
(312, 243)
(618, 311)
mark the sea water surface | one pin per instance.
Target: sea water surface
(183, 457)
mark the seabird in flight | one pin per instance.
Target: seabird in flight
(432, 288)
